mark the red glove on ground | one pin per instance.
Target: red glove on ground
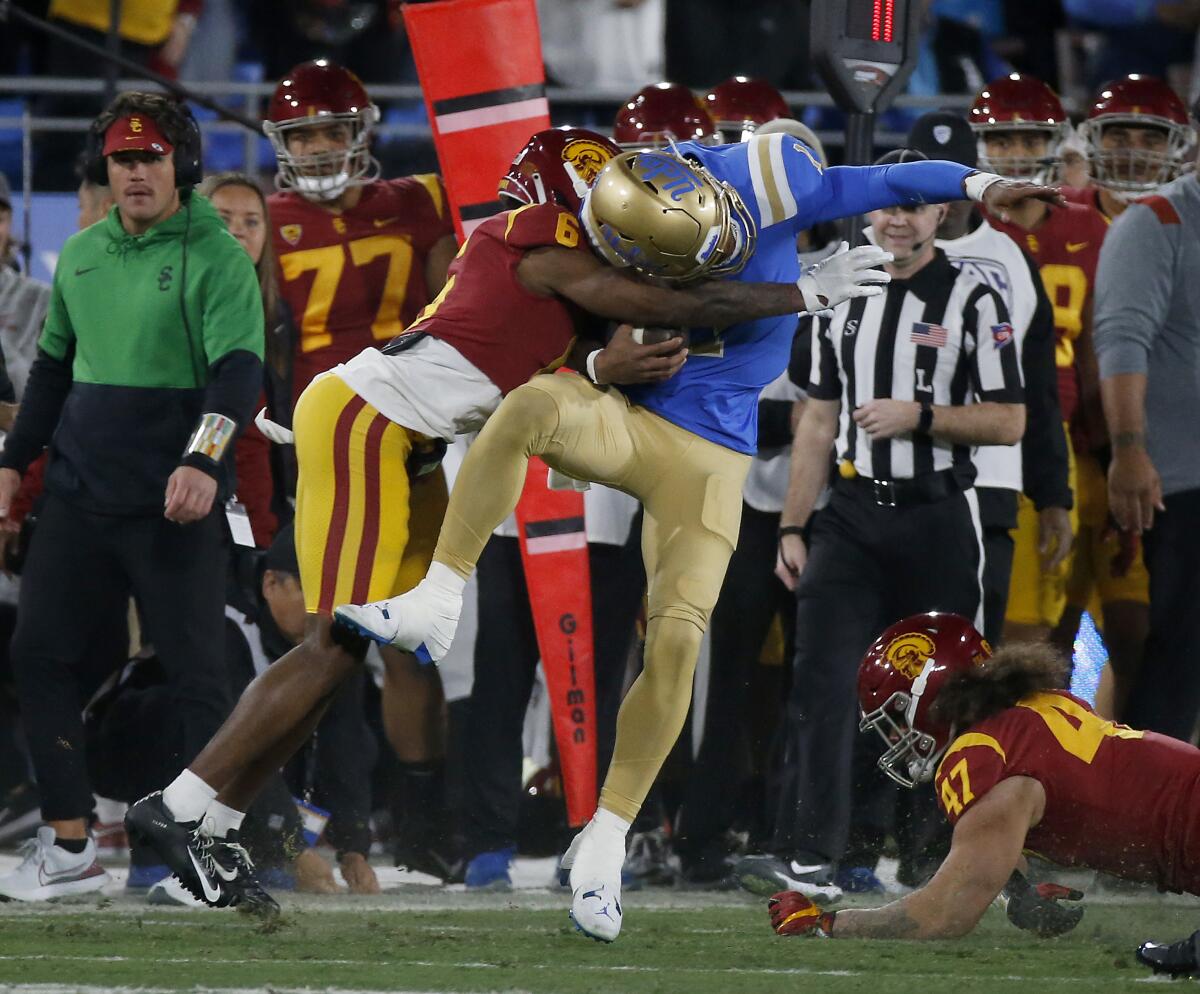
(794, 914)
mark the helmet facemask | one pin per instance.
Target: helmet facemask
(1128, 173)
(1037, 169)
(912, 756)
(325, 175)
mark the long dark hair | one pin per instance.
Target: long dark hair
(1014, 672)
(276, 352)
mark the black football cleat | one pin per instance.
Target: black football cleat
(185, 849)
(236, 870)
(1178, 959)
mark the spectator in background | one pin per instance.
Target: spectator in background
(1138, 36)
(23, 304)
(242, 205)
(1038, 466)
(1148, 343)
(140, 425)
(602, 44)
(151, 32)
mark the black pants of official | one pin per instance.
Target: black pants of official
(506, 656)
(78, 577)
(750, 599)
(1166, 696)
(868, 567)
(998, 515)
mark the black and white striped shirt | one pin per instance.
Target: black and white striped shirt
(941, 336)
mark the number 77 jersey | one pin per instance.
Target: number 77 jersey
(356, 278)
(1117, 800)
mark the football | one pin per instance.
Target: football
(656, 336)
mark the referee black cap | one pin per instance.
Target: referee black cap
(942, 134)
(901, 155)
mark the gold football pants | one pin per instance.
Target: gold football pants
(691, 490)
(363, 531)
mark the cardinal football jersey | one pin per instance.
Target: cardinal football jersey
(356, 278)
(1118, 800)
(484, 334)
(1066, 249)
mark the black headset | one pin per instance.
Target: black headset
(189, 167)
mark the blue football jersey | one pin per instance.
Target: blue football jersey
(785, 190)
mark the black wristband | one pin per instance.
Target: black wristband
(925, 420)
(791, 530)
(203, 463)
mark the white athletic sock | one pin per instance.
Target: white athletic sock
(220, 819)
(609, 822)
(444, 578)
(187, 797)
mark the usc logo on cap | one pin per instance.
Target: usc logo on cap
(908, 653)
(135, 125)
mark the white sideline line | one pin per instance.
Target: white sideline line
(474, 965)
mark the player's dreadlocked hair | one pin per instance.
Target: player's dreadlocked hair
(1015, 671)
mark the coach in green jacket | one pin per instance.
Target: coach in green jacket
(149, 363)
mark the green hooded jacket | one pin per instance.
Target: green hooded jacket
(145, 322)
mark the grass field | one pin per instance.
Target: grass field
(418, 939)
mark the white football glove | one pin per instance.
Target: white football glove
(274, 431)
(560, 481)
(843, 275)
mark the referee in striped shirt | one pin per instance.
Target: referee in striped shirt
(906, 384)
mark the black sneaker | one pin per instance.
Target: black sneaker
(1179, 959)
(236, 870)
(182, 846)
(766, 875)
(449, 868)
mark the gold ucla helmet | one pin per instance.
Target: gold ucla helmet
(666, 217)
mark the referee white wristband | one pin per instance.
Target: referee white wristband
(591, 366)
(976, 184)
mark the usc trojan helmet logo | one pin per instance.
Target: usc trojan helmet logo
(908, 653)
(586, 157)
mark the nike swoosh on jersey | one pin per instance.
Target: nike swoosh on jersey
(381, 222)
(211, 892)
(87, 269)
(1076, 246)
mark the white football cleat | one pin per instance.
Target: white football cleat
(422, 621)
(594, 860)
(49, 871)
(169, 891)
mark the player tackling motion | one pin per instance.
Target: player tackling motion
(1017, 763)
(682, 448)
(368, 429)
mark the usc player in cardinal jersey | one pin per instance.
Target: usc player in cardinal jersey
(1020, 124)
(367, 433)
(1017, 764)
(359, 256)
(1138, 138)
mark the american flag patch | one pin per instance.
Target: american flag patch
(928, 334)
(1002, 334)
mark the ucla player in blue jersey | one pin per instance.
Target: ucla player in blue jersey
(681, 447)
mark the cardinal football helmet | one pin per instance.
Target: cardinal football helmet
(900, 678)
(740, 105)
(558, 166)
(662, 113)
(315, 94)
(667, 217)
(1020, 103)
(1140, 102)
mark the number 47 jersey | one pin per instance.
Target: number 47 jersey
(1117, 800)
